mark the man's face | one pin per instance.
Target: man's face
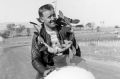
(48, 18)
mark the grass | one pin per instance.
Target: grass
(95, 36)
(104, 52)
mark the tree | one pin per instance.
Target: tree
(90, 25)
(98, 28)
(28, 31)
(11, 29)
(117, 26)
(79, 26)
(20, 29)
(5, 34)
(75, 21)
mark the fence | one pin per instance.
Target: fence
(113, 43)
(103, 50)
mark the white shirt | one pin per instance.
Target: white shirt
(54, 39)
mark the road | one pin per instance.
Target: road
(15, 63)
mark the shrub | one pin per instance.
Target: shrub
(6, 34)
(28, 31)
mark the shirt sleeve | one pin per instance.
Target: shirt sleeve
(36, 51)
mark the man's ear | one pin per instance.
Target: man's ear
(40, 19)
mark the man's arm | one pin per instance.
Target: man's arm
(36, 51)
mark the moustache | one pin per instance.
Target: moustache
(54, 20)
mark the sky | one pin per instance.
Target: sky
(104, 12)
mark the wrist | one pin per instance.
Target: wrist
(47, 72)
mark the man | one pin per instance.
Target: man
(52, 40)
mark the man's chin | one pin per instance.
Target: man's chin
(53, 25)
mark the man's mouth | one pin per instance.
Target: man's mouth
(52, 22)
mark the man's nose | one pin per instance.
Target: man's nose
(53, 18)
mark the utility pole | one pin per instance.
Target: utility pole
(55, 5)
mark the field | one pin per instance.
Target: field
(103, 46)
(100, 50)
(99, 45)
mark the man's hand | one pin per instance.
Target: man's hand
(52, 50)
(47, 72)
(56, 50)
(65, 46)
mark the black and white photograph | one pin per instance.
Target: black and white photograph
(59, 39)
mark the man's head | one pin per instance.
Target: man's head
(47, 15)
